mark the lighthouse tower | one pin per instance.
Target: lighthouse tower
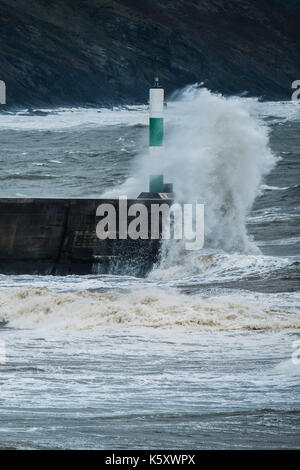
(157, 188)
(156, 134)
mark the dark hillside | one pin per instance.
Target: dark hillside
(99, 51)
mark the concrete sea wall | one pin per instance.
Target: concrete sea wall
(58, 237)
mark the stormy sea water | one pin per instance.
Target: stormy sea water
(203, 353)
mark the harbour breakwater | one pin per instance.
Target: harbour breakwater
(58, 236)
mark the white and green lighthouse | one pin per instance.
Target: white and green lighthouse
(158, 189)
(156, 134)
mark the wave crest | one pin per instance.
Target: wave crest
(40, 308)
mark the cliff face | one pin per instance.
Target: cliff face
(100, 51)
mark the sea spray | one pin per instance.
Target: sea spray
(216, 153)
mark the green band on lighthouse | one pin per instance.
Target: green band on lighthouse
(156, 132)
(156, 184)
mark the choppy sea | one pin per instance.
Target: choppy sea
(203, 352)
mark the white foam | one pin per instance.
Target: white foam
(40, 308)
(211, 266)
(275, 111)
(265, 187)
(65, 118)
